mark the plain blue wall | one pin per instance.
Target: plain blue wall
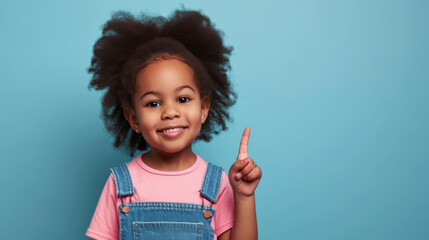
(336, 94)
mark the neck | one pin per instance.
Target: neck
(165, 161)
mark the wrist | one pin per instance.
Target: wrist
(244, 197)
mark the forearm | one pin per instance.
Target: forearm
(244, 176)
(245, 225)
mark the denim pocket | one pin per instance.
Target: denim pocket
(167, 230)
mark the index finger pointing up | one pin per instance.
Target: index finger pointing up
(242, 152)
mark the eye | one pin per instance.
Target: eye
(152, 104)
(183, 99)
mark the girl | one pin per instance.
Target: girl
(167, 86)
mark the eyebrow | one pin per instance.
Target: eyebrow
(177, 90)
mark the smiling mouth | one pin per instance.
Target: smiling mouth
(172, 133)
(169, 130)
(172, 130)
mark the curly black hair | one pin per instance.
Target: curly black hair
(130, 43)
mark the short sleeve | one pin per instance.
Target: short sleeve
(105, 224)
(224, 215)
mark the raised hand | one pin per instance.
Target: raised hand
(244, 174)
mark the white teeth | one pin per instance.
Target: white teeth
(172, 130)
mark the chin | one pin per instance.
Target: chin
(172, 149)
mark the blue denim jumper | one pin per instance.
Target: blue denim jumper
(166, 220)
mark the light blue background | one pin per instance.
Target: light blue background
(336, 94)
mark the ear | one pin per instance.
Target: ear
(130, 115)
(205, 107)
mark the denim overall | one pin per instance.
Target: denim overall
(166, 220)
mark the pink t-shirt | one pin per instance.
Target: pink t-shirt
(151, 185)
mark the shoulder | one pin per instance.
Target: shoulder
(205, 163)
(218, 174)
(127, 167)
(122, 177)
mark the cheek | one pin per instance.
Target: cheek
(147, 127)
(196, 116)
(146, 120)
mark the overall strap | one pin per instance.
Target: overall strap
(124, 184)
(211, 183)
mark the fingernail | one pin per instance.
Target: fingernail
(244, 161)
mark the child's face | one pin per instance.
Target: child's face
(168, 109)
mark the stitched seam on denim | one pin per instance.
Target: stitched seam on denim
(206, 180)
(121, 228)
(217, 185)
(165, 204)
(214, 183)
(129, 190)
(209, 183)
(181, 225)
(172, 208)
(197, 228)
(130, 182)
(215, 172)
(169, 206)
(207, 177)
(121, 182)
(136, 234)
(116, 181)
(124, 182)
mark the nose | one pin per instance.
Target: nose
(170, 111)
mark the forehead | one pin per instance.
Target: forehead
(164, 75)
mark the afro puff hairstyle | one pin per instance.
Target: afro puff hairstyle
(128, 44)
